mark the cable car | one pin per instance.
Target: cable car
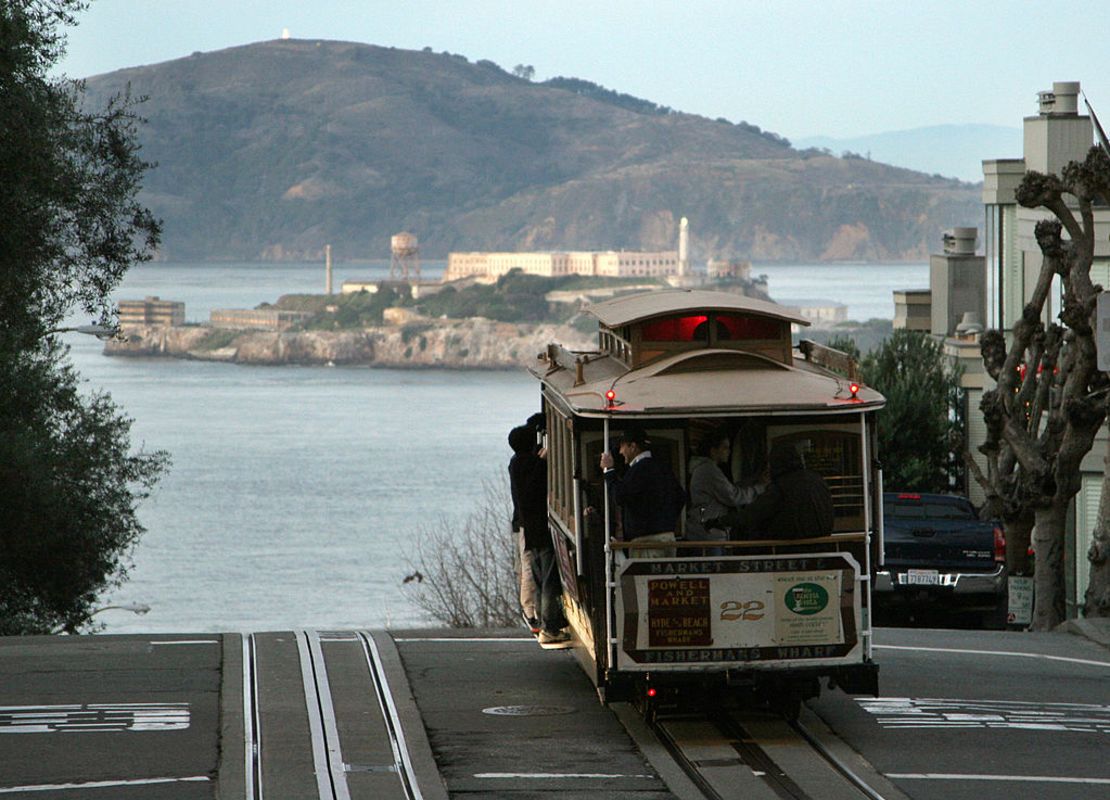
(772, 616)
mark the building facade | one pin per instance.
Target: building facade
(271, 319)
(610, 263)
(1056, 135)
(151, 311)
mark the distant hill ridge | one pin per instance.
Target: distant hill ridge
(955, 151)
(271, 150)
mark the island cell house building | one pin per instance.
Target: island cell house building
(609, 264)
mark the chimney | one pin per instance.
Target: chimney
(957, 284)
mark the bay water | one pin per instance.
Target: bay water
(297, 493)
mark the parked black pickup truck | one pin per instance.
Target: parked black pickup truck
(938, 553)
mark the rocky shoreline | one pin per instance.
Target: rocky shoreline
(461, 344)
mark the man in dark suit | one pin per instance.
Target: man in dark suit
(648, 495)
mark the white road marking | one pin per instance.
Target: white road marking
(928, 712)
(472, 639)
(1011, 654)
(54, 787)
(187, 641)
(553, 775)
(95, 718)
(943, 776)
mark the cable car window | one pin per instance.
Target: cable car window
(741, 327)
(835, 456)
(672, 329)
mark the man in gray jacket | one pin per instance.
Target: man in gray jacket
(714, 499)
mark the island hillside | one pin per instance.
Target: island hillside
(469, 324)
(269, 151)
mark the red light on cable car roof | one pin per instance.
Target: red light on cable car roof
(610, 395)
(651, 692)
(853, 387)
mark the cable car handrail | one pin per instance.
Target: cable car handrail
(836, 538)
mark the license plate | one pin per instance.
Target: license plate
(922, 577)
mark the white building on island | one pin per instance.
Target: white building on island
(608, 263)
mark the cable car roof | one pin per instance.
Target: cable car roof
(632, 308)
(699, 382)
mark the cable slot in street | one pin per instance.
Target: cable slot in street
(401, 758)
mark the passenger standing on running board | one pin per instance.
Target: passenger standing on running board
(519, 437)
(528, 483)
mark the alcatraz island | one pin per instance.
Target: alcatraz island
(489, 311)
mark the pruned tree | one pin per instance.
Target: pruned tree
(70, 226)
(465, 573)
(1050, 398)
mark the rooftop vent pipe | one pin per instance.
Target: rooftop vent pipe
(960, 241)
(1062, 101)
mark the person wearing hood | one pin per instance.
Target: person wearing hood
(522, 438)
(715, 501)
(528, 485)
(796, 505)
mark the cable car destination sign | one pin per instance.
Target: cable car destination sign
(748, 609)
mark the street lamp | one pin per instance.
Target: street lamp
(102, 332)
(135, 608)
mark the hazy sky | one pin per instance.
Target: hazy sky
(797, 68)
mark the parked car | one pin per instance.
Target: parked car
(940, 556)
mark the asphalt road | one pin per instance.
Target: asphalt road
(963, 714)
(124, 717)
(983, 715)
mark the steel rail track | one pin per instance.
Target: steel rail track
(754, 756)
(684, 761)
(327, 755)
(252, 727)
(836, 763)
(401, 758)
(329, 766)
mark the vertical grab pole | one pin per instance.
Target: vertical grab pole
(867, 500)
(610, 576)
(576, 484)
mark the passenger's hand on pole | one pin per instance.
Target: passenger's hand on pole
(542, 453)
(606, 460)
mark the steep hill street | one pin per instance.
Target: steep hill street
(962, 715)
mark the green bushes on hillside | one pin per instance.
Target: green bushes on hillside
(355, 310)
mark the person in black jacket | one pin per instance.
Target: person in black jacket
(519, 438)
(528, 484)
(649, 496)
(796, 505)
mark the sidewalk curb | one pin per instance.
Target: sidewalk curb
(1096, 629)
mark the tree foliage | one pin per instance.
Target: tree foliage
(70, 226)
(919, 435)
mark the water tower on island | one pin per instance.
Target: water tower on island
(405, 258)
